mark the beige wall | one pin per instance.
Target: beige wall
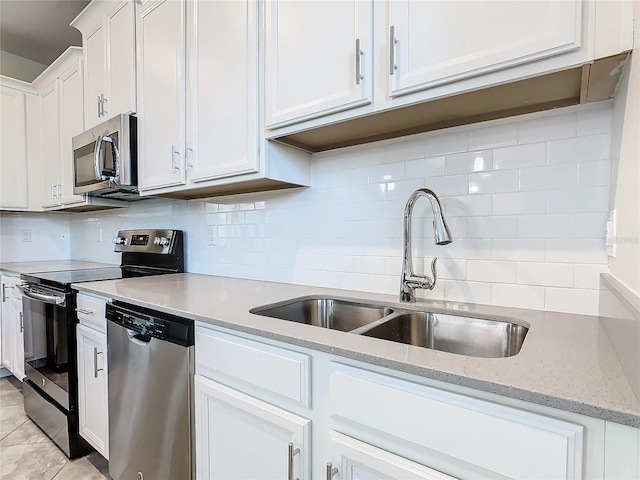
(626, 172)
(18, 67)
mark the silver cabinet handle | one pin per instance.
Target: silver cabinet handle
(359, 54)
(84, 311)
(174, 153)
(58, 194)
(189, 157)
(103, 101)
(393, 41)
(99, 107)
(4, 289)
(95, 362)
(331, 471)
(292, 453)
(21, 322)
(53, 192)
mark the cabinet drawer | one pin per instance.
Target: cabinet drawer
(498, 439)
(253, 367)
(91, 311)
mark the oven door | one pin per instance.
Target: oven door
(46, 328)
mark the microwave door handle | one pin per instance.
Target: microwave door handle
(96, 154)
(116, 160)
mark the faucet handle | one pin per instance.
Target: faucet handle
(434, 273)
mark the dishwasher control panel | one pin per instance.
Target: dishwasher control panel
(148, 324)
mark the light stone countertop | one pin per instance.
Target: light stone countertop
(566, 361)
(50, 266)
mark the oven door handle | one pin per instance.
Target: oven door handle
(41, 297)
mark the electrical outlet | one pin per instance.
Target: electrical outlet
(211, 235)
(611, 235)
(26, 235)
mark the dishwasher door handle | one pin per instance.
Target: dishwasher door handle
(137, 338)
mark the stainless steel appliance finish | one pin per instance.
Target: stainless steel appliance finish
(151, 367)
(473, 337)
(326, 312)
(50, 329)
(105, 159)
(409, 280)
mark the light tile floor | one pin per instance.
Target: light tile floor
(27, 453)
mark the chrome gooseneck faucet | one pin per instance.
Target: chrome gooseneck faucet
(410, 281)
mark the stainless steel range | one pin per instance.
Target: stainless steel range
(51, 386)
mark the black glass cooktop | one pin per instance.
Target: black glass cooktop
(66, 277)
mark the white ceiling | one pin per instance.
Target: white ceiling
(39, 29)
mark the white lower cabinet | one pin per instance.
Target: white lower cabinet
(92, 373)
(354, 460)
(371, 422)
(12, 327)
(241, 437)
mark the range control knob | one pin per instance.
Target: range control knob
(162, 241)
(119, 240)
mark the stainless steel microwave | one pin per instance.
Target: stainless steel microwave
(105, 159)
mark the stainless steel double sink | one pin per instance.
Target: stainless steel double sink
(475, 337)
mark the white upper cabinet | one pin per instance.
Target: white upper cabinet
(71, 124)
(318, 58)
(161, 87)
(14, 192)
(108, 37)
(222, 125)
(60, 88)
(199, 109)
(440, 41)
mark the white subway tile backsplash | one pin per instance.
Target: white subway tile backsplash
(592, 174)
(579, 149)
(476, 161)
(449, 185)
(522, 296)
(492, 182)
(591, 225)
(588, 276)
(491, 271)
(545, 274)
(390, 172)
(493, 137)
(520, 156)
(521, 248)
(425, 167)
(546, 226)
(444, 144)
(549, 177)
(571, 300)
(519, 203)
(547, 128)
(578, 200)
(576, 250)
(492, 227)
(465, 206)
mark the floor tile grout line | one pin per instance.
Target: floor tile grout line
(61, 468)
(25, 421)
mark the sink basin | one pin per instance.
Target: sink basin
(326, 312)
(450, 333)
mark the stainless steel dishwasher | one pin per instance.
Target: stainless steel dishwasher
(151, 366)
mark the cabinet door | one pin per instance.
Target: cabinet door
(222, 88)
(18, 337)
(121, 60)
(161, 88)
(312, 70)
(436, 42)
(13, 150)
(355, 460)
(92, 389)
(239, 437)
(50, 145)
(95, 71)
(71, 124)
